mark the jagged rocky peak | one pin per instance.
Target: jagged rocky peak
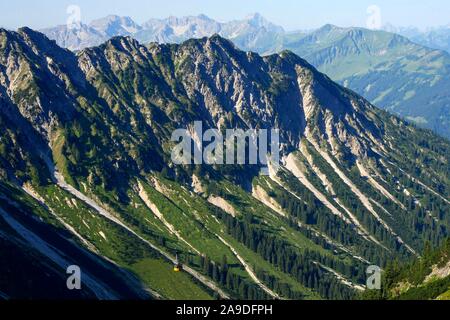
(217, 42)
(282, 90)
(3, 33)
(123, 43)
(32, 36)
(32, 66)
(113, 49)
(329, 27)
(4, 40)
(185, 27)
(114, 25)
(169, 30)
(258, 21)
(43, 46)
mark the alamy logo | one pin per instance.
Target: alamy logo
(74, 19)
(235, 147)
(374, 21)
(374, 278)
(74, 280)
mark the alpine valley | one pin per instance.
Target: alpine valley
(87, 177)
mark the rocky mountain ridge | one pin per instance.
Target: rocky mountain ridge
(405, 77)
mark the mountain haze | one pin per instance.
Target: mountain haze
(437, 38)
(391, 71)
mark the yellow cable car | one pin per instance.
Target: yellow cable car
(177, 266)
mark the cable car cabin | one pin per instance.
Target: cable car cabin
(178, 267)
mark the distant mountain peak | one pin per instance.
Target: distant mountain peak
(330, 27)
(256, 16)
(217, 38)
(111, 17)
(203, 17)
(259, 21)
(114, 25)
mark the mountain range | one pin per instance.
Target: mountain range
(436, 38)
(171, 30)
(87, 177)
(402, 76)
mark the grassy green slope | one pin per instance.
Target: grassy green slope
(111, 241)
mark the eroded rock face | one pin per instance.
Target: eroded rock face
(170, 86)
(37, 76)
(137, 95)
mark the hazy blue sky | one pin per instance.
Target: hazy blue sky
(291, 14)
